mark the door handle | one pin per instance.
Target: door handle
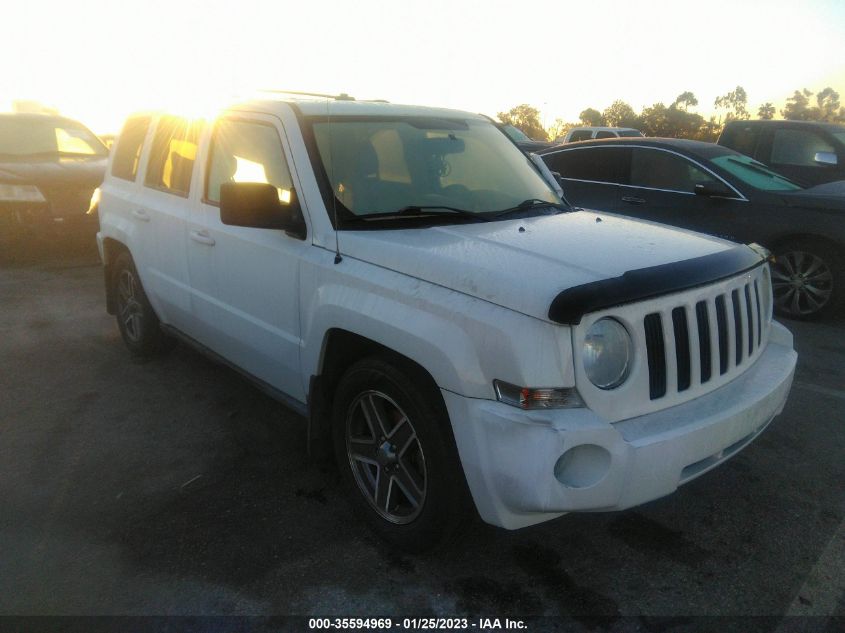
(141, 215)
(202, 237)
(633, 200)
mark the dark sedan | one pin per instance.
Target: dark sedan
(49, 168)
(709, 188)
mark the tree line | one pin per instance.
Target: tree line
(676, 120)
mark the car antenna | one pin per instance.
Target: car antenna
(337, 257)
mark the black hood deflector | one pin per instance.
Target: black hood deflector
(645, 283)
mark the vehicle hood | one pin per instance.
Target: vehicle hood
(76, 171)
(829, 196)
(524, 270)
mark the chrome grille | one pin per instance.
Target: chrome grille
(685, 343)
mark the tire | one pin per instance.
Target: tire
(397, 456)
(139, 326)
(808, 280)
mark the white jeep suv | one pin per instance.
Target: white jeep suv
(411, 282)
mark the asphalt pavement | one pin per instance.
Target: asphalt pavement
(174, 487)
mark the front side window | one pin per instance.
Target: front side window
(595, 164)
(127, 153)
(798, 147)
(656, 169)
(386, 164)
(245, 151)
(23, 136)
(172, 155)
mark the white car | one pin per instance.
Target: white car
(464, 340)
(587, 133)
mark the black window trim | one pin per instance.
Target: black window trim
(739, 198)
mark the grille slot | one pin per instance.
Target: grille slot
(722, 326)
(757, 305)
(750, 319)
(737, 325)
(656, 353)
(682, 351)
(703, 319)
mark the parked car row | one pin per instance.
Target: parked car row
(715, 190)
(459, 336)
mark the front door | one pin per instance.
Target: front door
(245, 281)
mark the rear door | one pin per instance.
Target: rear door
(245, 281)
(164, 205)
(590, 175)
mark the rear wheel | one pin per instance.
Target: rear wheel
(139, 326)
(396, 454)
(807, 280)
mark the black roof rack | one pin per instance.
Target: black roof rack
(341, 97)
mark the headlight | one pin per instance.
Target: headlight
(607, 353)
(20, 193)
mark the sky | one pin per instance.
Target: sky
(98, 61)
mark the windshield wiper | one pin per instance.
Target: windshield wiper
(426, 211)
(525, 205)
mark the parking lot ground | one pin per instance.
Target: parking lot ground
(174, 487)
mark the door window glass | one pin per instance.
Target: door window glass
(604, 134)
(580, 135)
(798, 147)
(243, 151)
(172, 155)
(742, 138)
(127, 154)
(598, 164)
(657, 169)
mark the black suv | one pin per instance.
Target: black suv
(808, 152)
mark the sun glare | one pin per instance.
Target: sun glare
(192, 57)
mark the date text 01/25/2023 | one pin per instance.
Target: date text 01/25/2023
(417, 624)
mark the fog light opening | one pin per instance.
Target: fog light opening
(582, 466)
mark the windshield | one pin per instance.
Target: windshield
(388, 164)
(23, 136)
(753, 173)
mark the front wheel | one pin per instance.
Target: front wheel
(807, 280)
(397, 457)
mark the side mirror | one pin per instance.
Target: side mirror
(714, 190)
(826, 158)
(260, 206)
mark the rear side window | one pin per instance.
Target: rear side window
(172, 155)
(604, 134)
(246, 151)
(599, 164)
(127, 153)
(798, 147)
(742, 138)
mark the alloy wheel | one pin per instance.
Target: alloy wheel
(802, 283)
(129, 308)
(386, 457)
